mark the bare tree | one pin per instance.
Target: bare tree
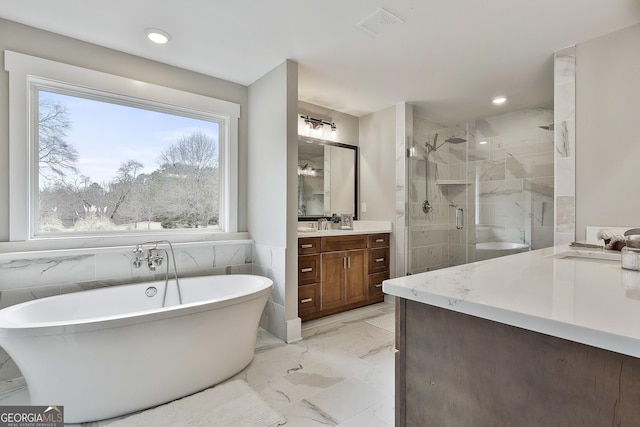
(56, 155)
(125, 179)
(190, 179)
(196, 151)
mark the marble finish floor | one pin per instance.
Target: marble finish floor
(340, 374)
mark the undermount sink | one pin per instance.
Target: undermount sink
(307, 230)
(588, 254)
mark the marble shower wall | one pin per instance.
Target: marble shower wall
(565, 136)
(505, 187)
(27, 276)
(434, 241)
(514, 172)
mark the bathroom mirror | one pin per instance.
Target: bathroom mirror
(327, 178)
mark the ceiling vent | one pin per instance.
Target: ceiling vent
(378, 21)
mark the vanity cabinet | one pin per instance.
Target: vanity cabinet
(339, 273)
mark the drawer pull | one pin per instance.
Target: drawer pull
(306, 300)
(379, 285)
(379, 240)
(379, 259)
(306, 270)
(306, 246)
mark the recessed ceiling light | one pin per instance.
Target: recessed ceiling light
(157, 36)
(483, 142)
(499, 100)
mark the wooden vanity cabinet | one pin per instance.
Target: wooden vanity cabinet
(351, 271)
(343, 278)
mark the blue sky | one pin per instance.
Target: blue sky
(106, 135)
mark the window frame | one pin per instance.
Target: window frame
(28, 74)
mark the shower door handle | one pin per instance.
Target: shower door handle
(459, 218)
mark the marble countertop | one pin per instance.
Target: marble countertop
(305, 229)
(579, 295)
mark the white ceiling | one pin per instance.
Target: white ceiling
(449, 57)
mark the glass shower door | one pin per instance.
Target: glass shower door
(441, 222)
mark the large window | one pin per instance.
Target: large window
(102, 155)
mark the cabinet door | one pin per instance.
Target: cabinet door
(356, 273)
(333, 280)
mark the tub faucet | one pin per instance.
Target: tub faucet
(153, 258)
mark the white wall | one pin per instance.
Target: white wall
(272, 212)
(607, 140)
(31, 41)
(377, 164)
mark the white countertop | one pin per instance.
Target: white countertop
(359, 227)
(580, 297)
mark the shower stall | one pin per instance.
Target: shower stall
(478, 190)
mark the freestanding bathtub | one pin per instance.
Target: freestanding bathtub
(112, 351)
(488, 250)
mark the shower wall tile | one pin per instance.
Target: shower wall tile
(565, 101)
(565, 144)
(529, 166)
(501, 191)
(564, 66)
(508, 214)
(565, 174)
(565, 214)
(542, 214)
(490, 170)
(429, 235)
(539, 189)
(439, 214)
(429, 256)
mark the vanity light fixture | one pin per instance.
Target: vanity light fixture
(316, 124)
(157, 36)
(499, 100)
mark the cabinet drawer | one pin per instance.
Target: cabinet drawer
(378, 260)
(379, 240)
(308, 299)
(375, 284)
(344, 243)
(308, 269)
(308, 245)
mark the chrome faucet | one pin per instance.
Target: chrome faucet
(153, 258)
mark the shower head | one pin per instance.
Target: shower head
(455, 140)
(452, 140)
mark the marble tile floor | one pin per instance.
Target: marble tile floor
(340, 374)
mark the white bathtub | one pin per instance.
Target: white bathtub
(113, 351)
(488, 250)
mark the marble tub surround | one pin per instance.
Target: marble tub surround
(566, 293)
